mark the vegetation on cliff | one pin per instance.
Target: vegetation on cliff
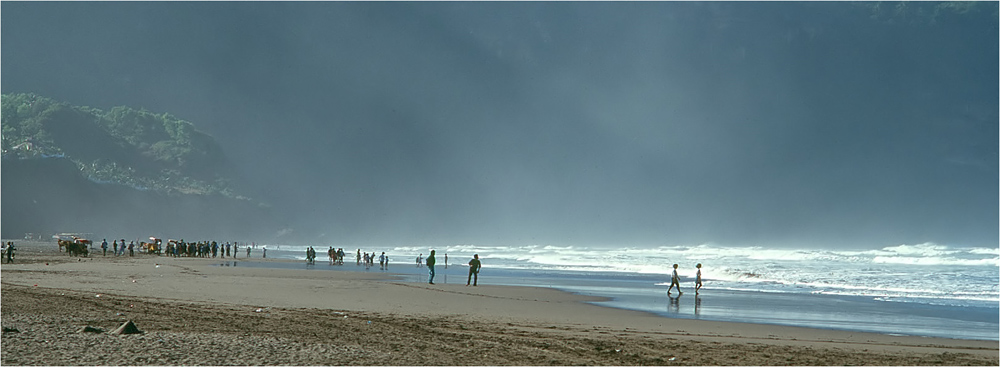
(136, 148)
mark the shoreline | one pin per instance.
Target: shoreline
(825, 312)
(543, 313)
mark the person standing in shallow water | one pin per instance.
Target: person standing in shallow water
(697, 280)
(430, 267)
(675, 280)
(474, 266)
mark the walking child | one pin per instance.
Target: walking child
(675, 281)
(697, 280)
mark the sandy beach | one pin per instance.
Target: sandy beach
(195, 311)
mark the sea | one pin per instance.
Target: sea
(916, 290)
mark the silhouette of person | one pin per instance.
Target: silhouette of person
(10, 252)
(430, 267)
(675, 280)
(474, 266)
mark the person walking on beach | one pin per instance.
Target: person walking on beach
(359, 256)
(474, 266)
(675, 280)
(248, 252)
(446, 260)
(420, 259)
(265, 251)
(131, 246)
(104, 247)
(430, 267)
(697, 280)
(10, 252)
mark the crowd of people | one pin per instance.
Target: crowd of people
(180, 248)
(215, 249)
(116, 249)
(369, 260)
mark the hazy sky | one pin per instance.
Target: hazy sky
(556, 123)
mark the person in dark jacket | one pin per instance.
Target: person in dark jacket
(474, 266)
(430, 267)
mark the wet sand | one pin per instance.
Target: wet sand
(194, 312)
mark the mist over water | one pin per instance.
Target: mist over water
(769, 126)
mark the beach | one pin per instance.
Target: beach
(203, 311)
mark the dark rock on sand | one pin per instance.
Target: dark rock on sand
(127, 328)
(90, 329)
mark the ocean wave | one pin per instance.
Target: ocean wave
(917, 271)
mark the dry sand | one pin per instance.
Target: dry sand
(194, 312)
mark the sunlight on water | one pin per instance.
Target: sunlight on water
(923, 273)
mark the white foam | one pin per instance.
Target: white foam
(920, 272)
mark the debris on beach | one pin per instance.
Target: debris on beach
(90, 329)
(127, 328)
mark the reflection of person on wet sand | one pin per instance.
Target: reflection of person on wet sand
(675, 305)
(675, 281)
(697, 305)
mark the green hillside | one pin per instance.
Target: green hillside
(135, 148)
